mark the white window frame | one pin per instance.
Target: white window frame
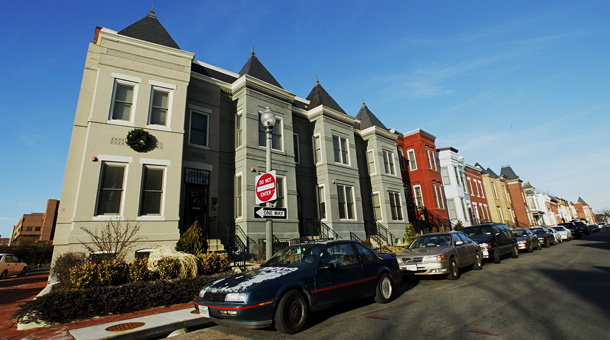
(411, 152)
(470, 185)
(440, 195)
(400, 216)
(445, 175)
(380, 205)
(279, 121)
(128, 81)
(201, 111)
(161, 216)
(112, 161)
(401, 156)
(457, 176)
(433, 156)
(166, 88)
(317, 146)
(451, 208)
(370, 157)
(438, 205)
(239, 178)
(342, 152)
(322, 198)
(353, 200)
(238, 129)
(482, 191)
(415, 187)
(389, 163)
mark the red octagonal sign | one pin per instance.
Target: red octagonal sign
(266, 187)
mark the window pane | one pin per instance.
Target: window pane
(412, 161)
(238, 211)
(341, 200)
(237, 130)
(158, 114)
(336, 149)
(322, 200)
(199, 129)
(344, 150)
(318, 151)
(295, 141)
(152, 191)
(109, 201)
(123, 99)
(451, 207)
(370, 155)
(280, 193)
(445, 173)
(349, 202)
(376, 207)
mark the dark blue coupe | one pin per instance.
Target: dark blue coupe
(297, 280)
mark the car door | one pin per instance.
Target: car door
(338, 274)
(470, 245)
(461, 251)
(370, 264)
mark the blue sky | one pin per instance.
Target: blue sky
(519, 83)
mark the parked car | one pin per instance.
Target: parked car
(602, 226)
(593, 228)
(495, 240)
(545, 236)
(297, 280)
(10, 265)
(440, 253)
(565, 233)
(556, 235)
(527, 240)
(576, 232)
(582, 226)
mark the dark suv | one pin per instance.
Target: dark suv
(495, 239)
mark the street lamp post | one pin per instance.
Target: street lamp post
(268, 121)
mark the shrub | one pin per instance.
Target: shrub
(168, 268)
(193, 240)
(84, 275)
(410, 234)
(113, 241)
(63, 264)
(213, 263)
(94, 273)
(188, 262)
(459, 226)
(70, 304)
(138, 271)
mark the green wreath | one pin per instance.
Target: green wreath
(138, 139)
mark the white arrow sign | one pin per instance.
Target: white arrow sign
(270, 213)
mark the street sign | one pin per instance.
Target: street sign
(265, 187)
(270, 213)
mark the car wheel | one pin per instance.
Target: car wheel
(515, 253)
(478, 262)
(291, 314)
(539, 246)
(23, 271)
(3, 275)
(497, 258)
(384, 289)
(454, 271)
(530, 249)
(547, 243)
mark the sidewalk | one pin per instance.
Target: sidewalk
(17, 290)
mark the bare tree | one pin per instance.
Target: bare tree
(113, 241)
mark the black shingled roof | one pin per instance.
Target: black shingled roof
(255, 68)
(508, 172)
(198, 68)
(318, 96)
(368, 119)
(151, 30)
(491, 173)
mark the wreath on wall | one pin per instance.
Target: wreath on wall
(138, 139)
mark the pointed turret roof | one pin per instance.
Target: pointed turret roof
(318, 96)
(255, 68)
(508, 172)
(151, 30)
(581, 201)
(368, 119)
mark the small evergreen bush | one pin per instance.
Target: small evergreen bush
(99, 273)
(213, 263)
(193, 240)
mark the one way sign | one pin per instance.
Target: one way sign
(270, 213)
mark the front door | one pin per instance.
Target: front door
(195, 199)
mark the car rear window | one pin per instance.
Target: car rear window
(479, 231)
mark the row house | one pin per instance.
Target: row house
(523, 215)
(539, 206)
(478, 200)
(427, 204)
(584, 211)
(201, 143)
(500, 204)
(456, 191)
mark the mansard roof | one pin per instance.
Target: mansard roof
(581, 201)
(368, 119)
(508, 172)
(491, 173)
(318, 96)
(255, 68)
(150, 29)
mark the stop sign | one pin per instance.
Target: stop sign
(266, 188)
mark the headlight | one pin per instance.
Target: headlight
(437, 258)
(235, 297)
(202, 292)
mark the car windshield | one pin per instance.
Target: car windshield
(301, 256)
(519, 232)
(539, 231)
(482, 231)
(428, 241)
(557, 228)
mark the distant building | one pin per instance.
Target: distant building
(514, 184)
(479, 203)
(584, 211)
(36, 227)
(454, 185)
(500, 204)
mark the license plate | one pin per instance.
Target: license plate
(204, 311)
(412, 267)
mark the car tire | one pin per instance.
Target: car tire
(515, 252)
(539, 246)
(3, 275)
(497, 258)
(23, 271)
(291, 314)
(547, 243)
(384, 289)
(454, 271)
(530, 249)
(478, 262)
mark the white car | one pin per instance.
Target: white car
(565, 233)
(10, 265)
(556, 234)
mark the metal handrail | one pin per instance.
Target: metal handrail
(354, 237)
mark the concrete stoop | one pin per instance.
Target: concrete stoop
(146, 327)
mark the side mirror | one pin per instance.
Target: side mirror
(326, 266)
